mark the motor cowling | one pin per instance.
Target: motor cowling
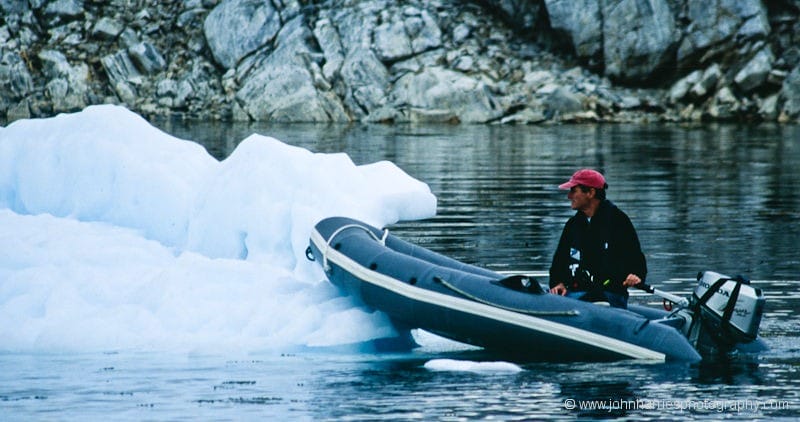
(729, 309)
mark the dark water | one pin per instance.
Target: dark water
(723, 198)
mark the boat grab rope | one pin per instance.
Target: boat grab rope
(381, 240)
(445, 283)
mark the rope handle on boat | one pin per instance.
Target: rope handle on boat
(381, 240)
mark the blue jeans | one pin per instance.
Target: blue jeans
(614, 299)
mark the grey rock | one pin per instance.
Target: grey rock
(464, 64)
(777, 76)
(755, 72)
(724, 105)
(392, 42)
(328, 40)
(192, 4)
(229, 84)
(756, 26)
(523, 15)
(564, 101)
(15, 79)
(67, 88)
(70, 34)
(238, 114)
(190, 17)
(107, 29)
(628, 102)
(128, 38)
(119, 67)
(364, 78)
(411, 65)
(725, 96)
(5, 36)
(122, 75)
(185, 91)
(147, 58)
(27, 36)
(441, 89)
(57, 90)
(142, 17)
(639, 38)
(707, 82)
(525, 116)
(791, 57)
(60, 11)
(401, 35)
(125, 91)
(790, 94)
(547, 89)
(435, 116)
(581, 22)
(768, 107)
(21, 110)
(14, 7)
(167, 88)
(681, 88)
(280, 88)
(236, 28)
(385, 114)
(460, 33)
(423, 30)
(537, 79)
(715, 24)
(54, 64)
(403, 60)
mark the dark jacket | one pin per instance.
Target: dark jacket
(598, 254)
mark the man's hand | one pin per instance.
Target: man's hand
(559, 289)
(631, 280)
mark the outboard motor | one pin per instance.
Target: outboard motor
(723, 311)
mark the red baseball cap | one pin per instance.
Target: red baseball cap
(585, 177)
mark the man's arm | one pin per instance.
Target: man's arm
(635, 262)
(559, 269)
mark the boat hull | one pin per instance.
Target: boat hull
(418, 288)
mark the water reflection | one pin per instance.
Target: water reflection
(730, 372)
(404, 389)
(614, 399)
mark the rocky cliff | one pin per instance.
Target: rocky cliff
(490, 61)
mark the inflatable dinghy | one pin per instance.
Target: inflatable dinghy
(515, 317)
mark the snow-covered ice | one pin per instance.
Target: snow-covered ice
(117, 236)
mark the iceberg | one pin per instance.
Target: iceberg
(117, 236)
(471, 366)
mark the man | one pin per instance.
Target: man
(598, 256)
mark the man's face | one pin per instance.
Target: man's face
(579, 200)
